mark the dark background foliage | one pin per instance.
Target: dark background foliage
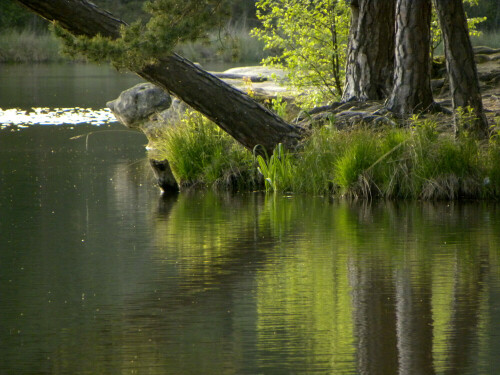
(13, 16)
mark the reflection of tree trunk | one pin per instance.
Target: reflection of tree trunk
(466, 312)
(462, 71)
(370, 60)
(412, 84)
(374, 318)
(239, 115)
(414, 324)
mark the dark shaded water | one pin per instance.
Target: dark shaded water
(60, 85)
(99, 274)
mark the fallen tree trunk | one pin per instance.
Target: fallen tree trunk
(247, 121)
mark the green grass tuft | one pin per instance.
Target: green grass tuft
(352, 170)
(200, 153)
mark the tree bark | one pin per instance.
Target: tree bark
(370, 58)
(497, 18)
(412, 83)
(462, 71)
(250, 123)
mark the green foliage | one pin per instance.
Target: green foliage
(308, 39)
(279, 106)
(481, 8)
(171, 22)
(199, 152)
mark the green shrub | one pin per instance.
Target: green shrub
(309, 40)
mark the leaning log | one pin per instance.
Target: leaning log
(247, 121)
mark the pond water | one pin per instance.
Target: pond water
(100, 274)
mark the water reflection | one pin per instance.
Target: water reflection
(61, 85)
(98, 274)
(15, 118)
(313, 287)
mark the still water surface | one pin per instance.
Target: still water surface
(99, 274)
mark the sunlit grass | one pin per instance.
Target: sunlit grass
(415, 162)
(200, 153)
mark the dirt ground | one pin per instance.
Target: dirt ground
(489, 73)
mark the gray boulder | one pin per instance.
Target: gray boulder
(171, 116)
(174, 114)
(136, 105)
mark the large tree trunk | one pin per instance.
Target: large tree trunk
(412, 84)
(250, 123)
(497, 18)
(370, 59)
(462, 71)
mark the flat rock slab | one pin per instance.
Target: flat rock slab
(259, 71)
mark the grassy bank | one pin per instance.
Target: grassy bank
(28, 47)
(416, 162)
(490, 39)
